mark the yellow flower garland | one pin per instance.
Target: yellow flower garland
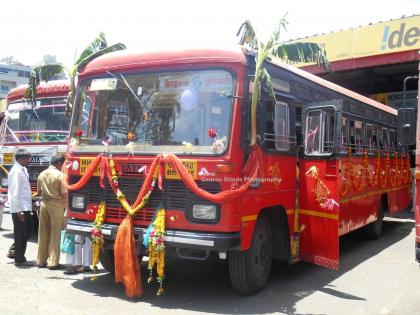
(157, 249)
(97, 237)
(121, 197)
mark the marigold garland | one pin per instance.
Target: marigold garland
(157, 249)
(156, 244)
(120, 195)
(97, 237)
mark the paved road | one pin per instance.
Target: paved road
(376, 278)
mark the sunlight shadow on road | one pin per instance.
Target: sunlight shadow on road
(205, 286)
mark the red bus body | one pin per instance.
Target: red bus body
(416, 204)
(308, 205)
(34, 127)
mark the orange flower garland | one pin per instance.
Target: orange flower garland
(127, 270)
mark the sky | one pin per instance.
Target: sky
(32, 29)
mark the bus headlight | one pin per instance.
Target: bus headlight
(78, 202)
(204, 212)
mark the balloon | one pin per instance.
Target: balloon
(189, 100)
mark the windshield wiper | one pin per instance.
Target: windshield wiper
(126, 84)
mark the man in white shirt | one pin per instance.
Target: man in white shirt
(20, 203)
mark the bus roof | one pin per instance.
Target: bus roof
(335, 87)
(125, 60)
(44, 89)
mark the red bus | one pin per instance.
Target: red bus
(416, 203)
(327, 160)
(42, 128)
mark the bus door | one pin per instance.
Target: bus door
(317, 217)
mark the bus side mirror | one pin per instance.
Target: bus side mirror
(407, 126)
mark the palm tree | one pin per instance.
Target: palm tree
(96, 48)
(290, 52)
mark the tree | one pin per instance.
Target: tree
(96, 48)
(11, 61)
(290, 52)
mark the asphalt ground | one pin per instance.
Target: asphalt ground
(375, 277)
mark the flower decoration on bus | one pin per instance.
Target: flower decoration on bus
(212, 133)
(275, 174)
(219, 143)
(156, 246)
(79, 133)
(321, 192)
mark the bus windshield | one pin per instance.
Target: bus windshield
(45, 122)
(173, 112)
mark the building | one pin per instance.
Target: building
(374, 60)
(12, 76)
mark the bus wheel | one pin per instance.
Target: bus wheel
(373, 230)
(107, 260)
(249, 270)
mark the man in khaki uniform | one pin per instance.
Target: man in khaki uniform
(52, 189)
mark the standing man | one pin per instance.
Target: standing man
(51, 188)
(20, 203)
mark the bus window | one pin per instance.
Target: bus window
(281, 126)
(319, 132)
(385, 138)
(277, 133)
(374, 137)
(328, 131)
(369, 137)
(344, 135)
(381, 139)
(358, 126)
(352, 135)
(393, 139)
(313, 125)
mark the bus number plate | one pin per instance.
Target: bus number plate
(191, 165)
(84, 164)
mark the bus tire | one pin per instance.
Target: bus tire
(373, 230)
(107, 260)
(249, 270)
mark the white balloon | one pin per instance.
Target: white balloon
(189, 100)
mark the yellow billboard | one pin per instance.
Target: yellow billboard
(376, 39)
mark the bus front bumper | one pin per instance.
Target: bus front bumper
(220, 242)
